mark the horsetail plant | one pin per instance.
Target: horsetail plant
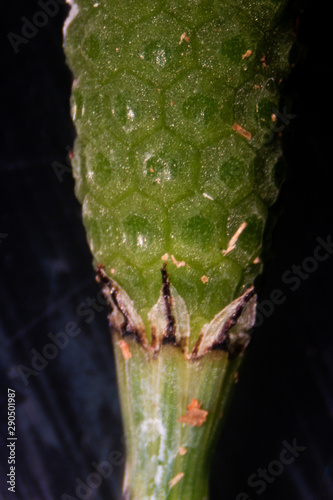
(176, 163)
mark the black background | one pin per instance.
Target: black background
(68, 414)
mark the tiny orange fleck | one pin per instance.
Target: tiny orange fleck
(194, 404)
(165, 257)
(264, 61)
(182, 450)
(248, 53)
(241, 131)
(178, 263)
(112, 271)
(204, 279)
(234, 239)
(194, 415)
(125, 350)
(185, 37)
(176, 479)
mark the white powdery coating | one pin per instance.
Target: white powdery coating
(71, 16)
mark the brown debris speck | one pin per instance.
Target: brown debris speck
(178, 263)
(204, 279)
(236, 377)
(241, 131)
(125, 350)
(264, 61)
(176, 479)
(234, 239)
(184, 37)
(182, 451)
(194, 415)
(248, 53)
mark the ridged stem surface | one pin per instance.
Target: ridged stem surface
(155, 393)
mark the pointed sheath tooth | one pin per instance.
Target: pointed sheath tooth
(123, 318)
(229, 329)
(158, 319)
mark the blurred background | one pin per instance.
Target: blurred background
(67, 409)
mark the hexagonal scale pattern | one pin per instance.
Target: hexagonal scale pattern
(143, 228)
(126, 106)
(160, 168)
(227, 169)
(263, 13)
(197, 230)
(165, 167)
(160, 50)
(223, 282)
(234, 52)
(193, 12)
(108, 169)
(256, 107)
(102, 50)
(253, 213)
(199, 107)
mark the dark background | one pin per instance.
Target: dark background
(68, 414)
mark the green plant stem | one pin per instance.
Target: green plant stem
(155, 391)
